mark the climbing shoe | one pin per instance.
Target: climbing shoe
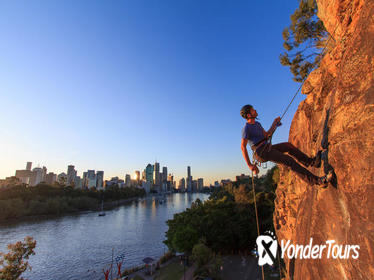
(330, 177)
(317, 160)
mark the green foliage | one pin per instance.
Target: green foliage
(184, 239)
(201, 254)
(20, 200)
(303, 40)
(13, 263)
(211, 269)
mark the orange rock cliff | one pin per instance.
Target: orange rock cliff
(337, 114)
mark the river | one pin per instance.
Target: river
(79, 246)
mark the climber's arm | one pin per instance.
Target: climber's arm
(251, 166)
(273, 127)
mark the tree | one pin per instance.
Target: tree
(303, 40)
(13, 263)
(185, 238)
(201, 254)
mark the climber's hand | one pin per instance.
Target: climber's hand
(277, 121)
(254, 168)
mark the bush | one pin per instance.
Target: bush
(201, 254)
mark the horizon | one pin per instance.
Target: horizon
(111, 86)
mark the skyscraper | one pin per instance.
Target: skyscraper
(84, 180)
(164, 174)
(156, 174)
(71, 175)
(128, 180)
(78, 182)
(99, 179)
(137, 176)
(171, 181)
(89, 179)
(50, 178)
(28, 165)
(200, 184)
(182, 185)
(36, 177)
(149, 173)
(24, 176)
(44, 175)
(189, 179)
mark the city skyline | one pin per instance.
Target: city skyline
(72, 174)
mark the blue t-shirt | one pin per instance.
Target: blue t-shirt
(253, 133)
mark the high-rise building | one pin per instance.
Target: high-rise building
(84, 180)
(200, 184)
(89, 179)
(194, 186)
(28, 165)
(24, 176)
(71, 175)
(91, 176)
(78, 182)
(182, 185)
(128, 180)
(149, 173)
(50, 178)
(189, 179)
(137, 176)
(99, 179)
(171, 181)
(164, 174)
(37, 176)
(44, 174)
(156, 174)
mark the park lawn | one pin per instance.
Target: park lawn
(172, 271)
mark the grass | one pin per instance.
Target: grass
(172, 271)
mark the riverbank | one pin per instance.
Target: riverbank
(19, 202)
(108, 205)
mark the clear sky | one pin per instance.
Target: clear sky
(114, 85)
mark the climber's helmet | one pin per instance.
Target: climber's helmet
(246, 109)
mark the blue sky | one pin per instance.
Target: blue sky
(114, 85)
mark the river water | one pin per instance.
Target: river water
(79, 246)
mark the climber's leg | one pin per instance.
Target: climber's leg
(270, 154)
(287, 147)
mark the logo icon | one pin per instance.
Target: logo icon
(267, 247)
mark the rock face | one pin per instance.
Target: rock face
(338, 113)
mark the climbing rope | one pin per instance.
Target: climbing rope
(258, 227)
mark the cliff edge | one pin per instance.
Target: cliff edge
(338, 114)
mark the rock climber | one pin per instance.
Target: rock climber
(283, 153)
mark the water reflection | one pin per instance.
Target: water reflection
(79, 246)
